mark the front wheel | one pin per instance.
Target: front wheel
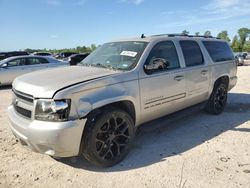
(217, 100)
(108, 137)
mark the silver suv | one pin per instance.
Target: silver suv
(93, 109)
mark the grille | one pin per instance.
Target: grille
(23, 96)
(22, 111)
(23, 104)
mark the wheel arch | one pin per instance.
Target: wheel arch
(127, 104)
(222, 79)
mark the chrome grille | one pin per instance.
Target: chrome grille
(23, 104)
(23, 96)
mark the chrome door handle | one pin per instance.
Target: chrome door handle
(204, 72)
(178, 77)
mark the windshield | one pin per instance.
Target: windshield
(116, 55)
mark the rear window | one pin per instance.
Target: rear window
(192, 53)
(219, 51)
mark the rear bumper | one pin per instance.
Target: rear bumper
(57, 139)
(232, 82)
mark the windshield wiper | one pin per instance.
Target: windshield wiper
(99, 65)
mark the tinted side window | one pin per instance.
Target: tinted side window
(165, 50)
(2, 56)
(32, 61)
(16, 62)
(192, 53)
(219, 51)
(42, 61)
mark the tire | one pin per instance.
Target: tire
(107, 137)
(218, 99)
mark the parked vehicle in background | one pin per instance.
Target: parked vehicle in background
(239, 59)
(248, 56)
(42, 54)
(64, 55)
(77, 58)
(244, 54)
(93, 110)
(4, 55)
(13, 67)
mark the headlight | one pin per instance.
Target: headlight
(52, 110)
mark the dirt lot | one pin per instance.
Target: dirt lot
(193, 150)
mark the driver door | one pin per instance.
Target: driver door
(14, 69)
(162, 91)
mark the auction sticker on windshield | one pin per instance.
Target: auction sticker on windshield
(129, 53)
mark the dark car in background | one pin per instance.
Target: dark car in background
(77, 58)
(4, 55)
(42, 54)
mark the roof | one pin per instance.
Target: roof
(144, 38)
(25, 56)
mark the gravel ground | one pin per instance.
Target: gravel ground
(192, 150)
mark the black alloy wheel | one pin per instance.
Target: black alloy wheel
(108, 139)
(217, 100)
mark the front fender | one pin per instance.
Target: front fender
(99, 97)
(85, 106)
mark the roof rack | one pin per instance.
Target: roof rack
(184, 35)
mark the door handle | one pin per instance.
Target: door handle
(178, 77)
(204, 72)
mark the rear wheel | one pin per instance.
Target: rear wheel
(218, 99)
(108, 137)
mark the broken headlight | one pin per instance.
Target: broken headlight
(52, 110)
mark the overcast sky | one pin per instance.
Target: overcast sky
(70, 23)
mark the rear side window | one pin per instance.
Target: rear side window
(192, 53)
(219, 51)
(42, 61)
(32, 61)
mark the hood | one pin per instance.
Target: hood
(43, 84)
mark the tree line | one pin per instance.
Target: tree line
(78, 49)
(239, 43)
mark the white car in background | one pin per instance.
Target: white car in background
(13, 67)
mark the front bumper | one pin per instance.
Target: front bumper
(57, 139)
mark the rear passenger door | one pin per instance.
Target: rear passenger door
(15, 68)
(197, 72)
(162, 91)
(35, 63)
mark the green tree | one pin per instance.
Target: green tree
(93, 47)
(224, 36)
(207, 33)
(185, 32)
(247, 46)
(197, 33)
(235, 45)
(243, 34)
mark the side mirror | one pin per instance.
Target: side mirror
(4, 65)
(156, 64)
